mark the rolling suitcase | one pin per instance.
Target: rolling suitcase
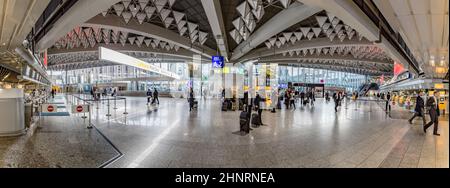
(225, 106)
(255, 120)
(243, 122)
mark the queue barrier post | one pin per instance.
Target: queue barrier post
(125, 106)
(90, 121)
(84, 114)
(109, 114)
(115, 101)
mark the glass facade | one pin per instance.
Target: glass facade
(351, 82)
(210, 81)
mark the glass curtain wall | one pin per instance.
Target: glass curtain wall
(351, 82)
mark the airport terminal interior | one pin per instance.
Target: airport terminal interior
(224, 84)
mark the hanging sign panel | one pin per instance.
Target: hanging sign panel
(117, 57)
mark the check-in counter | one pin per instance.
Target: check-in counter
(12, 112)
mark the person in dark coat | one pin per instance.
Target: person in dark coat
(419, 109)
(155, 96)
(257, 104)
(191, 99)
(302, 97)
(388, 102)
(337, 100)
(149, 96)
(433, 105)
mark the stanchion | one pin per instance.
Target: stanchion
(115, 99)
(90, 122)
(125, 106)
(109, 114)
(84, 114)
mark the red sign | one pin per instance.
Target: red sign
(50, 108)
(398, 69)
(79, 108)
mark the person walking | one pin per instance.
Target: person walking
(191, 99)
(419, 109)
(313, 98)
(388, 102)
(337, 101)
(155, 96)
(53, 93)
(292, 99)
(302, 98)
(433, 105)
(287, 99)
(149, 96)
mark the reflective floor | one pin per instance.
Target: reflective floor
(359, 135)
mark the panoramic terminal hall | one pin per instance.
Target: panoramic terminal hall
(224, 84)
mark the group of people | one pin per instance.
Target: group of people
(291, 97)
(432, 104)
(98, 93)
(152, 96)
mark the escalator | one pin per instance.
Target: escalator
(368, 87)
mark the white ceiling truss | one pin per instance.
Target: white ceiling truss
(329, 25)
(250, 13)
(89, 37)
(337, 67)
(370, 52)
(148, 10)
(89, 59)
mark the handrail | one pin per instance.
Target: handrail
(375, 15)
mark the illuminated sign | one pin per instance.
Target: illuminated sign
(116, 57)
(439, 86)
(218, 62)
(398, 69)
(441, 70)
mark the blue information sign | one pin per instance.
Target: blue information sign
(218, 62)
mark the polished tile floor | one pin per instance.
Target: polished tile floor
(359, 135)
(56, 142)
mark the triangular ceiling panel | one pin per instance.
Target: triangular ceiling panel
(127, 16)
(285, 3)
(305, 30)
(164, 14)
(119, 9)
(243, 9)
(143, 3)
(160, 4)
(150, 11)
(178, 16)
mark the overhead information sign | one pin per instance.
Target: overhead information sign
(120, 58)
(218, 62)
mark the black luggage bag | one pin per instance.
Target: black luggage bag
(243, 122)
(225, 106)
(256, 120)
